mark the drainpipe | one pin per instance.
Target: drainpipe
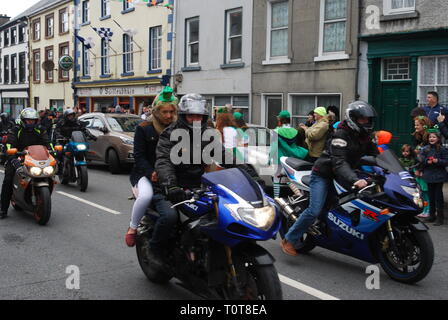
(358, 61)
(173, 43)
(75, 57)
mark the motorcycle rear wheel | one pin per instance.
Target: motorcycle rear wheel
(83, 178)
(42, 210)
(421, 257)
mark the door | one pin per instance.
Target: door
(395, 107)
(273, 108)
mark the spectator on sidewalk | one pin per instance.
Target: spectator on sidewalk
(433, 109)
(316, 135)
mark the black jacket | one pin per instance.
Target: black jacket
(65, 128)
(342, 155)
(433, 173)
(5, 127)
(145, 144)
(21, 138)
(185, 175)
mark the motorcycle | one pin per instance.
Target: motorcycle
(3, 137)
(34, 182)
(73, 164)
(376, 224)
(214, 252)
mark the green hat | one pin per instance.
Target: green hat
(60, 109)
(167, 94)
(320, 111)
(237, 115)
(284, 114)
(223, 110)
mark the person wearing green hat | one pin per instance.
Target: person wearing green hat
(316, 135)
(287, 145)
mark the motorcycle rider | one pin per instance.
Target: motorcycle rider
(6, 124)
(25, 134)
(68, 124)
(350, 142)
(173, 178)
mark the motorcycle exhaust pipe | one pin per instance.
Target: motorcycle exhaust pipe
(284, 206)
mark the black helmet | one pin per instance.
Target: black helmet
(193, 103)
(69, 112)
(360, 109)
(4, 117)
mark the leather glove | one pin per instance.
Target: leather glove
(16, 163)
(176, 195)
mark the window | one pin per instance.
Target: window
(1, 81)
(398, 6)
(85, 61)
(36, 30)
(128, 55)
(303, 104)
(63, 51)
(234, 35)
(22, 67)
(49, 26)
(396, 69)
(433, 76)
(85, 11)
(21, 33)
(333, 25)
(277, 32)
(6, 38)
(237, 102)
(13, 35)
(155, 48)
(36, 65)
(192, 42)
(63, 21)
(105, 8)
(105, 60)
(49, 56)
(128, 4)
(6, 69)
(14, 68)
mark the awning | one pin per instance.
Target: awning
(15, 94)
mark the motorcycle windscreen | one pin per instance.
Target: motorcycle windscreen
(78, 136)
(38, 152)
(236, 180)
(389, 161)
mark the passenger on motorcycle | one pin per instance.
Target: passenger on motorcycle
(193, 115)
(143, 177)
(351, 141)
(25, 134)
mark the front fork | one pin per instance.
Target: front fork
(391, 236)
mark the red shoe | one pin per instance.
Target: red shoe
(130, 239)
(288, 248)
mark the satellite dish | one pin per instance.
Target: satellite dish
(48, 65)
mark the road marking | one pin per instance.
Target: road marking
(2, 171)
(307, 289)
(88, 202)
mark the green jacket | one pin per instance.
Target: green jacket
(286, 146)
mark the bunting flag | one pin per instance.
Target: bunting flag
(104, 33)
(154, 3)
(88, 43)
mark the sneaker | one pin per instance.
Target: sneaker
(423, 215)
(288, 248)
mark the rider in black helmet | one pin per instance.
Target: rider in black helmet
(69, 123)
(5, 124)
(351, 141)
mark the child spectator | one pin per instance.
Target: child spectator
(408, 157)
(433, 159)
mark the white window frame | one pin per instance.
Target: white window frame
(156, 51)
(434, 86)
(65, 22)
(65, 75)
(328, 56)
(36, 30)
(316, 97)
(128, 54)
(264, 119)
(85, 62)
(229, 38)
(394, 80)
(36, 67)
(49, 74)
(105, 8)
(281, 59)
(127, 5)
(189, 44)
(387, 8)
(105, 59)
(86, 11)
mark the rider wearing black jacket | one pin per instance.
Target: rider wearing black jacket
(5, 124)
(27, 133)
(68, 124)
(351, 141)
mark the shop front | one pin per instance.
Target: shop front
(130, 98)
(13, 102)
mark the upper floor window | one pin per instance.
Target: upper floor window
(234, 35)
(6, 38)
(63, 21)
(85, 61)
(22, 32)
(192, 42)
(36, 65)
(63, 51)
(128, 4)
(85, 11)
(277, 32)
(128, 55)
(105, 8)
(398, 6)
(6, 69)
(105, 59)
(36, 30)
(22, 67)
(156, 48)
(49, 56)
(49, 26)
(13, 35)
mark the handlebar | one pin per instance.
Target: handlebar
(194, 196)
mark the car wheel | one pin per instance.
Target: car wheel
(113, 161)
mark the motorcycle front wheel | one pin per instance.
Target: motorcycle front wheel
(411, 260)
(83, 178)
(42, 210)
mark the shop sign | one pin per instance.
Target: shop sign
(119, 91)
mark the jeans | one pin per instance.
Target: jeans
(318, 194)
(7, 186)
(165, 224)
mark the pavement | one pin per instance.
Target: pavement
(87, 230)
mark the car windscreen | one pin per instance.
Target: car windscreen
(123, 124)
(389, 161)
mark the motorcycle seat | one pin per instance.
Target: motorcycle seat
(299, 165)
(306, 180)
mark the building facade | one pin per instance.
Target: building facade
(213, 51)
(305, 54)
(50, 38)
(130, 57)
(404, 54)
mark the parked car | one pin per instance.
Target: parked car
(115, 143)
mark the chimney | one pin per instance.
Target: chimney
(4, 19)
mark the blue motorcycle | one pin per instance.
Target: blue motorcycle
(376, 224)
(73, 166)
(214, 252)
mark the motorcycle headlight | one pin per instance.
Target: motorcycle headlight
(81, 147)
(36, 171)
(416, 195)
(49, 170)
(261, 218)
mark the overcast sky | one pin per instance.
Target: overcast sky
(13, 8)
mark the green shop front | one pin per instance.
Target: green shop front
(403, 67)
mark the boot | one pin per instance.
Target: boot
(439, 220)
(432, 217)
(3, 214)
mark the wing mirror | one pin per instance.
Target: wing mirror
(11, 152)
(104, 130)
(58, 148)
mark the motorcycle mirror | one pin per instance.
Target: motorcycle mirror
(11, 152)
(58, 148)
